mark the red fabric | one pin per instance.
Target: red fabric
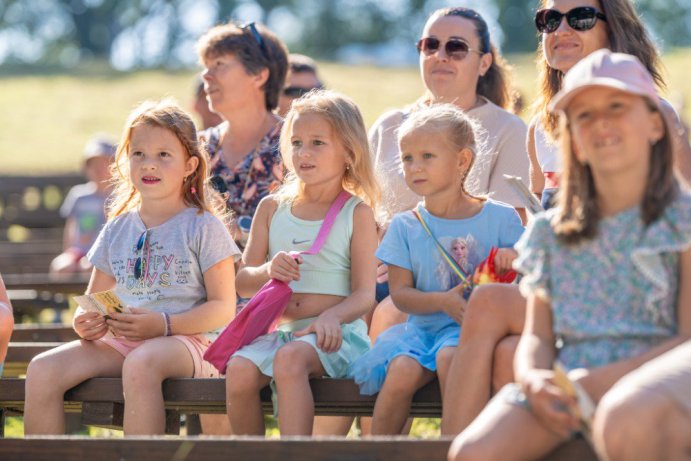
(486, 273)
(257, 318)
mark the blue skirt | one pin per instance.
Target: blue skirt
(420, 338)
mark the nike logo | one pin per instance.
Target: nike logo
(296, 242)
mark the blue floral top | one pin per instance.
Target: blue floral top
(255, 176)
(612, 297)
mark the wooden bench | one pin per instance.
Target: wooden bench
(50, 332)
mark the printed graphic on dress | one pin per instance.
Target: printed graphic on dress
(465, 252)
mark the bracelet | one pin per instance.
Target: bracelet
(165, 324)
(169, 328)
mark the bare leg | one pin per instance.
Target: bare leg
(143, 372)
(403, 378)
(55, 371)
(503, 431)
(244, 407)
(494, 311)
(295, 363)
(385, 315)
(215, 425)
(502, 367)
(332, 425)
(641, 426)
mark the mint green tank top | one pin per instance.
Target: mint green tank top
(327, 272)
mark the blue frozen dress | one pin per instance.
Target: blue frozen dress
(407, 245)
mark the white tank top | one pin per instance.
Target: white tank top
(547, 151)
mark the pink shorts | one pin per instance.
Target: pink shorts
(196, 345)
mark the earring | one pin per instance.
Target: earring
(347, 166)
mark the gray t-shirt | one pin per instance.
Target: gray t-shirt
(179, 250)
(87, 207)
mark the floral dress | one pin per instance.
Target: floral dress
(614, 296)
(255, 176)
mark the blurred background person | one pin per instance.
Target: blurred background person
(84, 208)
(302, 77)
(206, 118)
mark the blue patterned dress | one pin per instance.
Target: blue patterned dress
(612, 297)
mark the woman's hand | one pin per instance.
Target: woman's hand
(503, 260)
(328, 331)
(90, 326)
(138, 324)
(549, 403)
(284, 267)
(455, 306)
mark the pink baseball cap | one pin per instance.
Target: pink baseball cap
(604, 68)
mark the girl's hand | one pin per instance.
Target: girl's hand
(137, 325)
(503, 260)
(455, 304)
(328, 331)
(382, 273)
(90, 326)
(284, 267)
(549, 403)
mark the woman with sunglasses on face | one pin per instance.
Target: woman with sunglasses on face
(244, 70)
(458, 65)
(570, 30)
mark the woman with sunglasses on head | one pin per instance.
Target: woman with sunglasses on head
(570, 30)
(244, 71)
(165, 253)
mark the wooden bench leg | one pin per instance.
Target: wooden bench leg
(103, 414)
(2, 422)
(172, 422)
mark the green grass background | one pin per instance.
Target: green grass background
(47, 117)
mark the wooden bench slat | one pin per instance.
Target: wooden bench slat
(43, 333)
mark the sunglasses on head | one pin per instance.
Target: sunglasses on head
(140, 262)
(580, 18)
(455, 48)
(297, 91)
(252, 27)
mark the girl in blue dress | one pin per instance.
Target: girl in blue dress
(437, 147)
(607, 274)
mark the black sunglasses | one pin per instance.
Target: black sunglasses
(297, 91)
(580, 18)
(140, 262)
(455, 48)
(252, 27)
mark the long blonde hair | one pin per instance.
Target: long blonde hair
(165, 114)
(626, 33)
(347, 124)
(578, 213)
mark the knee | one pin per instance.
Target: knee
(622, 419)
(483, 310)
(398, 380)
(463, 449)
(140, 368)
(290, 363)
(43, 373)
(242, 378)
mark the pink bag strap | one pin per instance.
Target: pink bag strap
(328, 223)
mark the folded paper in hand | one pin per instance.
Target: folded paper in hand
(103, 302)
(584, 409)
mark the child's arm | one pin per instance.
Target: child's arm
(255, 271)
(363, 272)
(6, 320)
(503, 259)
(217, 311)
(533, 368)
(91, 325)
(413, 301)
(69, 233)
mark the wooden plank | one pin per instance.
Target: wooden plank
(43, 333)
(72, 283)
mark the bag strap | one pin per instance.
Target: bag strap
(328, 223)
(447, 257)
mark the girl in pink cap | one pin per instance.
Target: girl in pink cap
(607, 274)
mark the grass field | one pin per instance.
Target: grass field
(47, 118)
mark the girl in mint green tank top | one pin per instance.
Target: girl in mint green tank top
(325, 150)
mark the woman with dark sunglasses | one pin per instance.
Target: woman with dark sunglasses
(570, 30)
(244, 70)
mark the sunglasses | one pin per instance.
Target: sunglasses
(297, 91)
(140, 262)
(580, 18)
(455, 48)
(252, 27)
